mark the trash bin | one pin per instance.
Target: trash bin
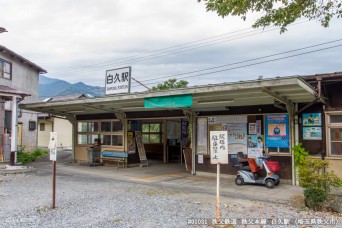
(94, 156)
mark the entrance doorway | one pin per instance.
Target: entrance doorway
(163, 139)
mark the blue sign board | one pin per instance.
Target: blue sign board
(277, 131)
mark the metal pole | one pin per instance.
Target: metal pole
(218, 210)
(193, 142)
(54, 185)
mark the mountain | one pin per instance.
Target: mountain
(51, 87)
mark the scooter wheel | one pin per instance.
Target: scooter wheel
(277, 183)
(269, 183)
(239, 181)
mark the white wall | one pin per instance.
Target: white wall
(64, 132)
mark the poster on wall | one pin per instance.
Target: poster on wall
(252, 128)
(202, 135)
(130, 142)
(312, 119)
(237, 138)
(255, 146)
(184, 132)
(312, 133)
(277, 131)
(255, 141)
(258, 127)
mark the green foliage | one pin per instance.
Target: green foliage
(313, 174)
(300, 154)
(315, 198)
(280, 13)
(170, 84)
(317, 181)
(27, 157)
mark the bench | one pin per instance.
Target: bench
(120, 157)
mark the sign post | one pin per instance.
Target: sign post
(53, 157)
(218, 155)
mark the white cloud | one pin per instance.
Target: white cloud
(92, 36)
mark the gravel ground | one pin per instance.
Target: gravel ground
(25, 201)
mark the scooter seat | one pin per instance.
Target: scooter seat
(253, 165)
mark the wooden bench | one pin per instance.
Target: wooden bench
(120, 157)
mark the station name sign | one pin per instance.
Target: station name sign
(118, 81)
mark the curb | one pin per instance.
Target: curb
(18, 171)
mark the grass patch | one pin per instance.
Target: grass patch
(27, 157)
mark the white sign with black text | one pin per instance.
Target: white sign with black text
(218, 147)
(53, 146)
(118, 81)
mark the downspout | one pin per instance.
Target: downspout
(296, 141)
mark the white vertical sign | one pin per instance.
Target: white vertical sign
(118, 81)
(53, 146)
(218, 147)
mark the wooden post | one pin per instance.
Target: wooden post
(218, 210)
(54, 185)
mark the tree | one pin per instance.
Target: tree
(280, 13)
(170, 84)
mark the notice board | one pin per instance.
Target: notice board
(141, 148)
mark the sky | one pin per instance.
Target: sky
(77, 41)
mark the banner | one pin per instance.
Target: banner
(237, 138)
(277, 131)
(175, 101)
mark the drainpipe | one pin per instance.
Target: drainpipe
(296, 141)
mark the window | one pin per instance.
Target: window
(5, 69)
(32, 125)
(151, 133)
(87, 132)
(110, 132)
(334, 134)
(42, 126)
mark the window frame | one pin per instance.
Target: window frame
(111, 133)
(2, 69)
(32, 125)
(149, 133)
(88, 134)
(328, 126)
(92, 132)
(41, 126)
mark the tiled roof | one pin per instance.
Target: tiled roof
(22, 59)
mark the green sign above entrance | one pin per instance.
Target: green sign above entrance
(178, 101)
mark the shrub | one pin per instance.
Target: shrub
(315, 198)
(26, 157)
(300, 154)
(312, 174)
(317, 181)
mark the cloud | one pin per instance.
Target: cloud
(79, 40)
